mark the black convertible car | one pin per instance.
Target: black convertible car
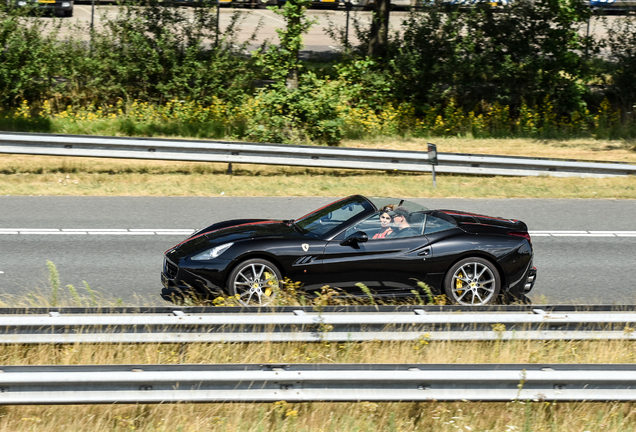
(387, 244)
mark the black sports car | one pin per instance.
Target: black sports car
(387, 244)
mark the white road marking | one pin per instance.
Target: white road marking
(184, 232)
(95, 231)
(582, 233)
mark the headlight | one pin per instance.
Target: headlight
(212, 253)
(66, 4)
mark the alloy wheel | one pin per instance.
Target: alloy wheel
(473, 283)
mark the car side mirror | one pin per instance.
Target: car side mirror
(356, 237)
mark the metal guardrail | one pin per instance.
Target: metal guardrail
(306, 156)
(207, 325)
(32, 385)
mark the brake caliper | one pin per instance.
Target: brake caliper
(459, 284)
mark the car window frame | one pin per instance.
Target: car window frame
(451, 223)
(328, 235)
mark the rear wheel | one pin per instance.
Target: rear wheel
(472, 282)
(255, 281)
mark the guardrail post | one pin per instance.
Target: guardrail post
(432, 159)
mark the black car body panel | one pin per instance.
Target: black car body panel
(316, 250)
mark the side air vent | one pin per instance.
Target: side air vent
(307, 259)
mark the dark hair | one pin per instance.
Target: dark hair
(401, 211)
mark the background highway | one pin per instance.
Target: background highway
(575, 266)
(262, 23)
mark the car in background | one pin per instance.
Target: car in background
(331, 4)
(613, 6)
(472, 259)
(61, 8)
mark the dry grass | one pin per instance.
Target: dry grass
(27, 175)
(579, 149)
(318, 417)
(417, 351)
(361, 416)
(282, 416)
(43, 175)
(56, 176)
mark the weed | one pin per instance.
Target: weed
(54, 280)
(426, 290)
(365, 289)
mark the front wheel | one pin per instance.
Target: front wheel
(472, 282)
(255, 281)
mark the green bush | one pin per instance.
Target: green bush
(28, 57)
(520, 70)
(520, 54)
(295, 116)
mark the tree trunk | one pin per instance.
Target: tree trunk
(294, 25)
(291, 82)
(379, 40)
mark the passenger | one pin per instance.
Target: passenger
(385, 223)
(401, 223)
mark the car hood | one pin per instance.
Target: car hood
(233, 231)
(228, 224)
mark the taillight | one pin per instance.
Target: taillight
(523, 234)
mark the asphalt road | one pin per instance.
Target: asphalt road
(584, 249)
(259, 25)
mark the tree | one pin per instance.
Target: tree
(282, 61)
(379, 35)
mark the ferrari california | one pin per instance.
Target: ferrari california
(386, 244)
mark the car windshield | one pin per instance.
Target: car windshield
(380, 203)
(333, 217)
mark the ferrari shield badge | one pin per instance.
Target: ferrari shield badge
(305, 247)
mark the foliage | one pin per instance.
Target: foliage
(519, 54)
(307, 113)
(517, 71)
(315, 113)
(621, 41)
(157, 53)
(361, 84)
(281, 61)
(28, 58)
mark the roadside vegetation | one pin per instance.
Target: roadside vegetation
(518, 416)
(526, 70)
(284, 416)
(474, 82)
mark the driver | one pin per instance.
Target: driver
(401, 222)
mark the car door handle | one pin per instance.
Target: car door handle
(425, 252)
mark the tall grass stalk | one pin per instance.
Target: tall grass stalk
(365, 289)
(54, 280)
(91, 293)
(74, 295)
